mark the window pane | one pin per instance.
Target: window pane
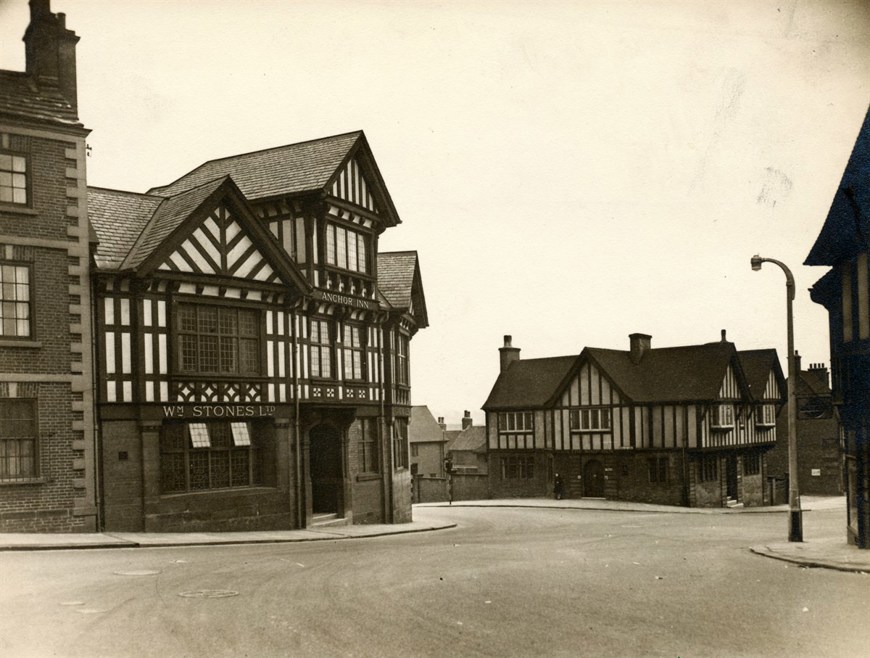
(19, 163)
(351, 251)
(341, 247)
(199, 435)
(241, 434)
(363, 255)
(330, 245)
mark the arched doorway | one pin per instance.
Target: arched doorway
(593, 479)
(326, 476)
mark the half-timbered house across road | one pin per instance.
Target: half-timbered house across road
(253, 345)
(683, 425)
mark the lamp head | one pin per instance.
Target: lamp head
(756, 262)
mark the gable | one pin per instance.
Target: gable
(730, 388)
(352, 185)
(589, 386)
(219, 245)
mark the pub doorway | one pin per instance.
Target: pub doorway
(326, 473)
(731, 483)
(593, 479)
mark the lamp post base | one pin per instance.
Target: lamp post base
(795, 526)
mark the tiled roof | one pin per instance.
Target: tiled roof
(400, 283)
(471, 439)
(669, 374)
(423, 427)
(846, 230)
(757, 365)
(283, 170)
(118, 219)
(529, 383)
(169, 216)
(396, 276)
(21, 97)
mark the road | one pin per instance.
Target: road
(504, 582)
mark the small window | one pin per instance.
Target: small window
(709, 468)
(723, 415)
(321, 349)
(400, 443)
(14, 301)
(368, 446)
(752, 463)
(657, 468)
(766, 415)
(13, 178)
(353, 352)
(590, 420)
(18, 434)
(516, 421)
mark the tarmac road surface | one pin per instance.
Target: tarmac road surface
(504, 582)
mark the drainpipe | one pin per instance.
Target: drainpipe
(97, 434)
(297, 363)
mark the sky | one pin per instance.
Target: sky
(570, 172)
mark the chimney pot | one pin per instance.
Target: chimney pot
(639, 344)
(507, 354)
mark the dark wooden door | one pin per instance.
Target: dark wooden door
(731, 477)
(593, 479)
(325, 460)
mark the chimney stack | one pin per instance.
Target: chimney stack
(508, 354)
(639, 344)
(797, 362)
(820, 370)
(467, 421)
(724, 338)
(50, 51)
(442, 424)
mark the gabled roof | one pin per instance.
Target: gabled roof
(757, 365)
(423, 427)
(290, 170)
(471, 439)
(134, 230)
(400, 283)
(846, 230)
(21, 97)
(118, 218)
(529, 383)
(668, 374)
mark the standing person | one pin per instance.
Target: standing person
(557, 486)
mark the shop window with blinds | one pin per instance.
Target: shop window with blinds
(347, 249)
(214, 455)
(18, 436)
(320, 349)
(218, 339)
(353, 352)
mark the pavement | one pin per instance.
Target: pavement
(830, 552)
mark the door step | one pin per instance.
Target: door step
(323, 520)
(732, 503)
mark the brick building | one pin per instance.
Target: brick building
(820, 455)
(47, 447)
(684, 426)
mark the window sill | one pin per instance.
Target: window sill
(18, 210)
(368, 477)
(26, 344)
(34, 480)
(228, 491)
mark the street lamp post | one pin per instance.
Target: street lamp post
(795, 523)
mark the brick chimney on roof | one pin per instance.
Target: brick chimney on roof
(639, 345)
(467, 421)
(50, 51)
(508, 354)
(820, 370)
(441, 423)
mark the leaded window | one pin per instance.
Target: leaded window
(516, 421)
(346, 248)
(321, 349)
(657, 469)
(213, 455)
(14, 301)
(590, 420)
(353, 352)
(13, 178)
(403, 372)
(18, 434)
(400, 443)
(723, 415)
(368, 446)
(217, 339)
(517, 467)
(766, 415)
(708, 468)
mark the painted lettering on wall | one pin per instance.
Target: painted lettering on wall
(345, 300)
(218, 410)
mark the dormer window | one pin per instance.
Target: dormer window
(723, 416)
(766, 415)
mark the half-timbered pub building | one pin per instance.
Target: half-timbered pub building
(843, 245)
(253, 345)
(683, 426)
